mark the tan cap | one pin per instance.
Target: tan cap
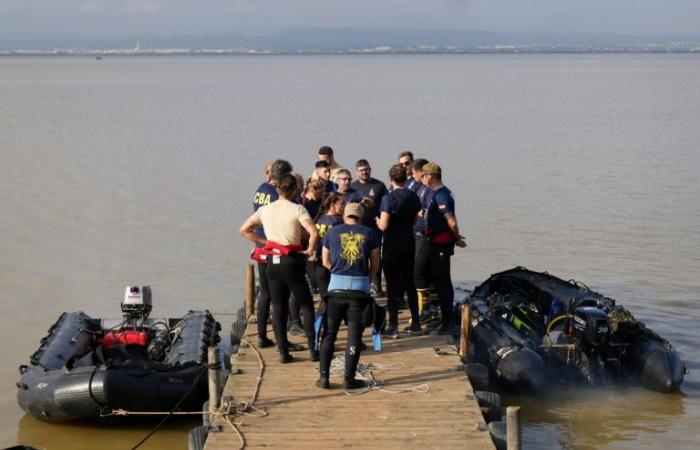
(431, 169)
(353, 210)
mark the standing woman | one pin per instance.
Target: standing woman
(351, 253)
(284, 223)
(331, 215)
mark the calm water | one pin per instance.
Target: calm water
(140, 170)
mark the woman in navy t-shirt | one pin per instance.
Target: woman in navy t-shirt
(351, 253)
(331, 215)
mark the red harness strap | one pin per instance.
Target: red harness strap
(272, 248)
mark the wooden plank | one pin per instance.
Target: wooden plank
(424, 400)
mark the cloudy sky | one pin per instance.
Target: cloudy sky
(125, 18)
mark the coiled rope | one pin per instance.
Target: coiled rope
(366, 372)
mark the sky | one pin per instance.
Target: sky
(129, 18)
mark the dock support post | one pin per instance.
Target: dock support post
(513, 428)
(465, 331)
(214, 380)
(250, 291)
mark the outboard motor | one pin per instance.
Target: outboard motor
(136, 307)
(590, 326)
(137, 302)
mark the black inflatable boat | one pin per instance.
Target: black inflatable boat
(87, 367)
(532, 329)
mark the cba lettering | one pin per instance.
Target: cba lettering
(261, 198)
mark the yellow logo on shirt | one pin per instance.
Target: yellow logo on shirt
(261, 198)
(350, 247)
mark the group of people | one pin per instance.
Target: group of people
(337, 236)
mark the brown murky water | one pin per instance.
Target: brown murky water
(140, 170)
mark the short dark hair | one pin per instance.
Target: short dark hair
(321, 163)
(325, 150)
(397, 174)
(361, 163)
(279, 168)
(419, 163)
(287, 184)
(406, 153)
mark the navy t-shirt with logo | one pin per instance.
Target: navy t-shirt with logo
(441, 203)
(264, 195)
(375, 190)
(323, 225)
(350, 247)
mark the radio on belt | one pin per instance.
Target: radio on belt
(137, 302)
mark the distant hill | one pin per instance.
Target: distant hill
(334, 39)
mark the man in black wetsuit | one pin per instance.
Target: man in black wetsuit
(398, 213)
(421, 271)
(372, 192)
(443, 232)
(351, 253)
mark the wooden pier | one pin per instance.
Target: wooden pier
(423, 400)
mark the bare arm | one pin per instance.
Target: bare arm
(383, 220)
(326, 258)
(452, 223)
(248, 227)
(373, 263)
(310, 228)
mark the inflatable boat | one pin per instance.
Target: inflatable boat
(531, 329)
(88, 368)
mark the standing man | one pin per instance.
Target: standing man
(398, 213)
(351, 253)
(406, 161)
(422, 266)
(325, 153)
(372, 192)
(323, 172)
(342, 182)
(442, 229)
(264, 195)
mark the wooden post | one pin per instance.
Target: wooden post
(513, 428)
(465, 331)
(214, 381)
(250, 291)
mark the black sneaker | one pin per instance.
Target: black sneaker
(391, 331)
(264, 342)
(323, 383)
(286, 358)
(296, 347)
(415, 328)
(354, 384)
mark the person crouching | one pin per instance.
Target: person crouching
(351, 252)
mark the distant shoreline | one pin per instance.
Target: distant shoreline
(500, 49)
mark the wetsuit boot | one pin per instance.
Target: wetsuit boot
(392, 330)
(323, 382)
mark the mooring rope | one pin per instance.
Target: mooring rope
(366, 373)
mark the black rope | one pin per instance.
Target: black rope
(202, 370)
